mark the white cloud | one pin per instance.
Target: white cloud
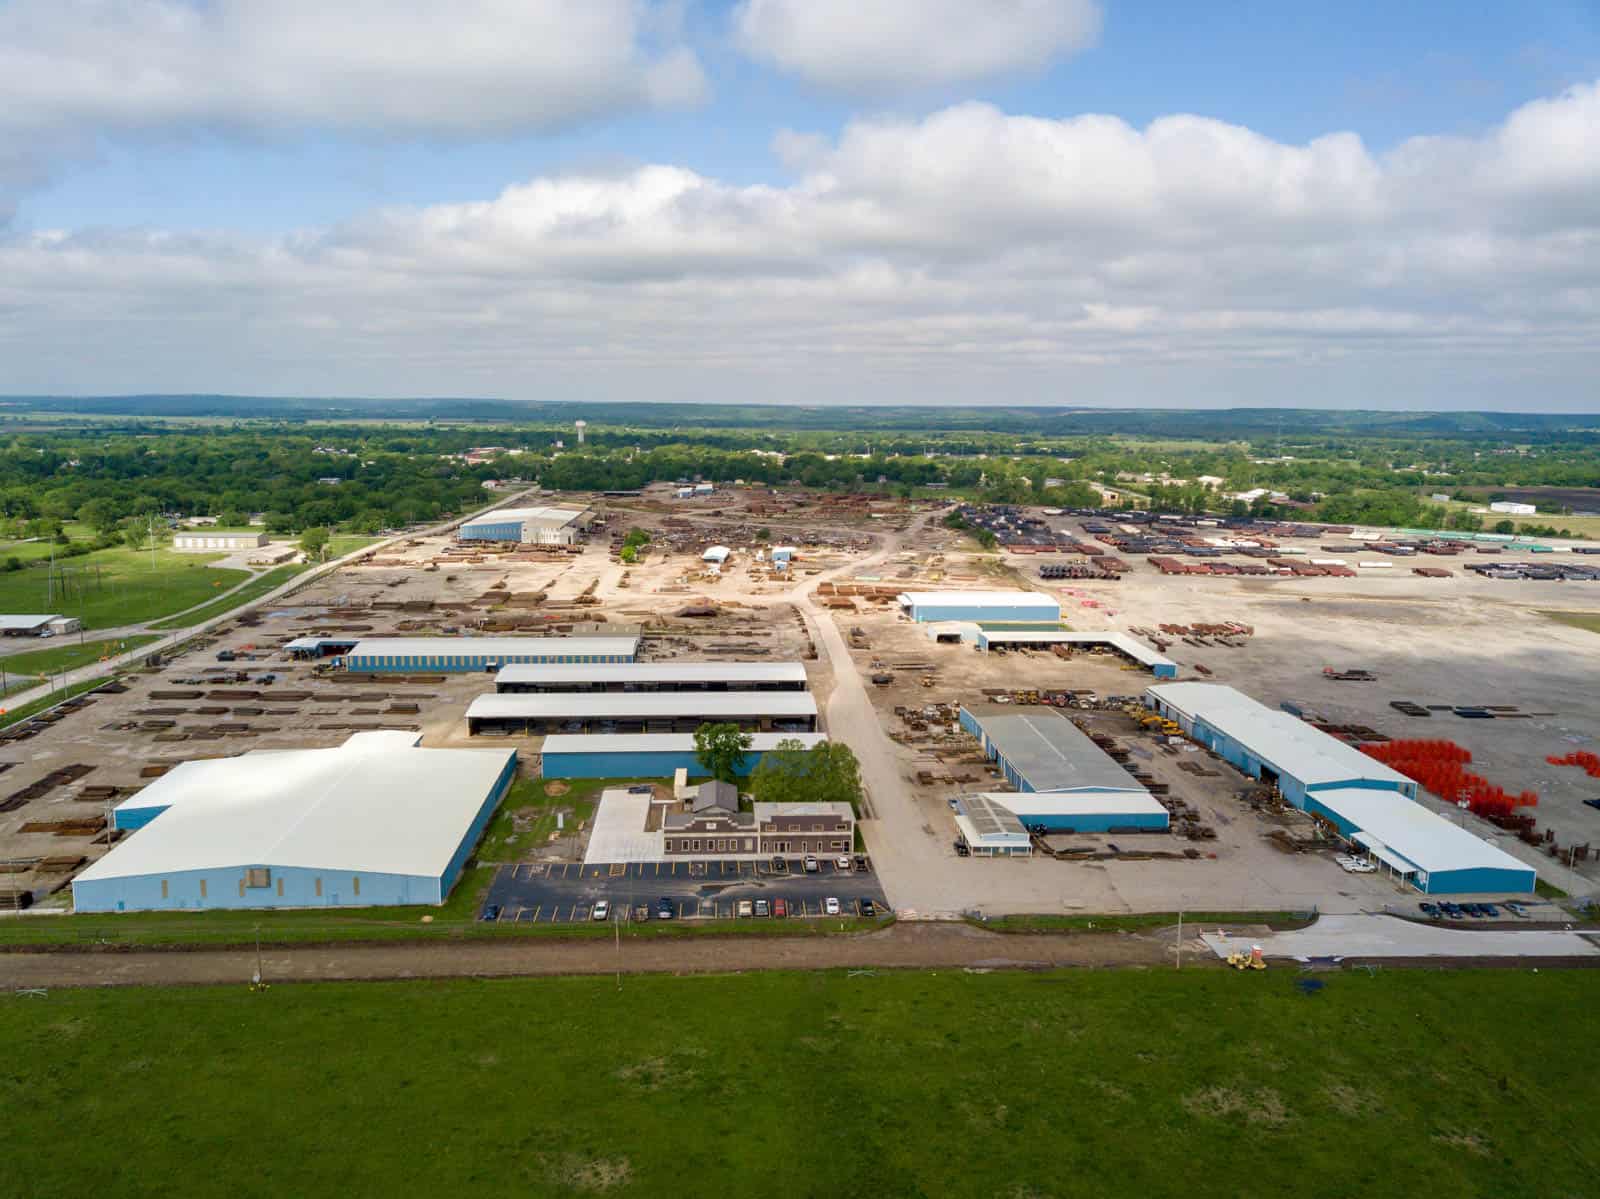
(878, 46)
(74, 71)
(973, 256)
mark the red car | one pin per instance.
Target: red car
(779, 908)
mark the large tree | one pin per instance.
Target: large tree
(826, 773)
(721, 748)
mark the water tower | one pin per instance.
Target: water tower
(581, 426)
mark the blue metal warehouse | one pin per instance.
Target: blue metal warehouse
(1371, 805)
(979, 605)
(457, 654)
(1067, 783)
(645, 755)
(375, 821)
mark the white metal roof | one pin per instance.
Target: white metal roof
(25, 622)
(990, 825)
(316, 642)
(624, 705)
(494, 647)
(544, 515)
(1024, 804)
(659, 743)
(651, 672)
(716, 553)
(944, 599)
(1051, 752)
(1416, 833)
(376, 804)
(1131, 646)
(1288, 743)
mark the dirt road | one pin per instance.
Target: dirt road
(911, 859)
(901, 946)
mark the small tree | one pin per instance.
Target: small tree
(826, 773)
(721, 748)
(313, 541)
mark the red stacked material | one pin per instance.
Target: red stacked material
(1590, 762)
(1440, 766)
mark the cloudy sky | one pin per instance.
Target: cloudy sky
(805, 201)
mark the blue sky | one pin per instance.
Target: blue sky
(291, 179)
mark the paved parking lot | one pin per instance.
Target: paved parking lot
(553, 893)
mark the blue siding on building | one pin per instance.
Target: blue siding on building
(1165, 670)
(143, 892)
(495, 531)
(460, 663)
(1044, 610)
(134, 817)
(632, 765)
(1098, 822)
(479, 822)
(1479, 881)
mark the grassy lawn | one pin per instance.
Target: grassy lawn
(11, 716)
(341, 544)
(255, 589)
(116, 586)
(27, 667)
(1578, 620)
(526, 819)
(894, 1084)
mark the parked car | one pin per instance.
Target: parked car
(830, 906)
(780, 909)
(1430, 910)
(961, 849)
(664, 909)
(226, 655)
(779, 866)
(1593, 803)
(954, 806)
(1516, 909)
(868, 908)
(763, 908)
(1475, 910)
(861, 862)
(602, 911)
(641, 912)
(811, 864)
(745, 907)
(1452, 910)
(268, 679)
(491, 913)
(1490, 910)
(842, 863)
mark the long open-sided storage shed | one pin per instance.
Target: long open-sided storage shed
(540, 526)
(536, 678)
(622, 712)
(377, 820)
(645, 755)
(979, 605)
(1120, 643)
(456, 654)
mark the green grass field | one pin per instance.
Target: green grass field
(255, 589)
(22, 670)
(1125, 1083)
(117, 586)
(1578, 620)
(11, 716)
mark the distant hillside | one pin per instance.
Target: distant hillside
(1209, 424)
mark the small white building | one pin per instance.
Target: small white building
(717, 554)
(1509, 508)
(210, 541)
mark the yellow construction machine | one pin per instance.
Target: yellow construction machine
(1253, 960)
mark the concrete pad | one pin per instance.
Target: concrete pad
(1374, 936)
(619, 834)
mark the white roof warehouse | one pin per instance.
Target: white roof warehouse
(377, 820)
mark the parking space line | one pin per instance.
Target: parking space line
(573, 915)
(536, 912)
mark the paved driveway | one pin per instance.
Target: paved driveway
(1373, 936)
